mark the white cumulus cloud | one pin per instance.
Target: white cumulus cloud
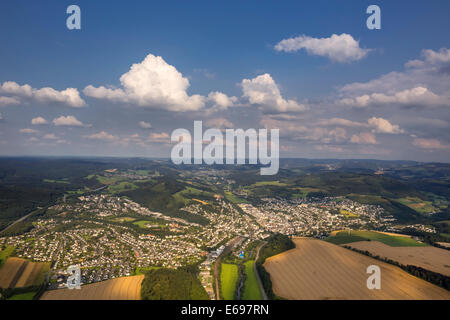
(221, 100)
(363, 138)
(102, 135)
(70, 96)
(156, 137)
(264, 92)
(339, 48)
(218, 123)
(430, 144)
(152, 83)
(145, 125)
(28, 130)
(381, 125)
(424, 83)
(69, 121)
(6, 101)
(50, 136)
(38, 121)
(341, 122)
(418, 96)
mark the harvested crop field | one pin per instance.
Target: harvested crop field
(126, 288)
(430, 258)
(318, 270)
(18, 273)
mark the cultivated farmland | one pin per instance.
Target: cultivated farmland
(319, 270)
(126, 288)
(18, 273)
(430, 258)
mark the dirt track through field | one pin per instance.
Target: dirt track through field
(126, 288)
(319, 270)
(430, 258)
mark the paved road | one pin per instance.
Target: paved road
(98, 189)
(227, 249)
(261, 288)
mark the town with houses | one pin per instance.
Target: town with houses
(110, 236)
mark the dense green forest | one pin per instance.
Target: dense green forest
(276, 244)
(169, 284)
(160, 197)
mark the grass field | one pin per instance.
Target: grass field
(367, 199)
(233, 198)
(121, 187)
(143, 223)
(55, 181)
(269, 183)
(126, 288)
(430, 258)
(142, 172)
(19, 273)
(124, 219)
(108, 180)
(304, 192)
(143, 270)
(343, 237)
(228, 280)
(5, 253)
(23, 296)
(188, 195)
(251, 289)
(348, 214)
(417, 204)
(319, 270)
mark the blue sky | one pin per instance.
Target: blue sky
(215, 46)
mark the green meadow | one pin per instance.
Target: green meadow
(344, 237)
(251, 288)
(228, 280)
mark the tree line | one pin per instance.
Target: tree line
(427, 275)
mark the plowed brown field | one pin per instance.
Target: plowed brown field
(126, 288)
(319, 270)
(430, 258)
